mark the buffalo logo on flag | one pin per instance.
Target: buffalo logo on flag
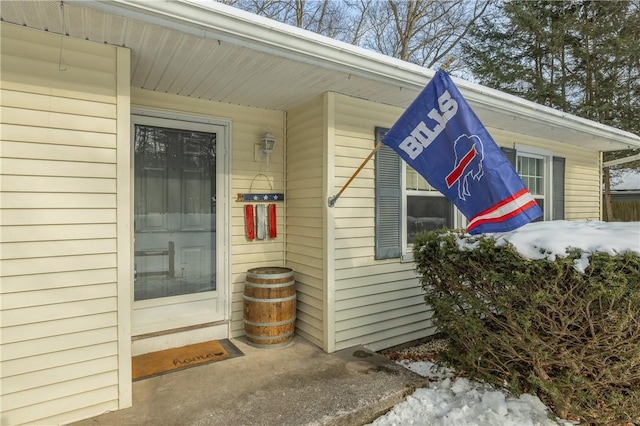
(443, 140)
(469, 156)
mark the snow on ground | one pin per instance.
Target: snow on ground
(625, 180)
(451, 401)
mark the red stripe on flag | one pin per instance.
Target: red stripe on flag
(501, 203)
(515, 210)
(505, 217)
(457, 172)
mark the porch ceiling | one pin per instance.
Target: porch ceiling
(167, 60)
(222, 54)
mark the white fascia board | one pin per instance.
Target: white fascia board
(218, 21)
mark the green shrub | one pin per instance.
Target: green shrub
(539, 326)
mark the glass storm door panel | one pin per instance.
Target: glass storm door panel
(175, 212)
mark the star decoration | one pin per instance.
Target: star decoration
(261, 197)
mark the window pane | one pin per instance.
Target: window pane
(426, 213)
(532, 172)
(174, 213)
(412, 179)
(539, 186)
(415, 182)
(523, 166)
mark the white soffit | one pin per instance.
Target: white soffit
(216, 52)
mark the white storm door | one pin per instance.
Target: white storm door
(179, 173)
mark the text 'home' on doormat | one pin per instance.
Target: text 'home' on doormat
(156, 363)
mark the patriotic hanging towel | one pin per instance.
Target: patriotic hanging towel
(441, 138)
(261, 222)
(273, 232)
(249, 222)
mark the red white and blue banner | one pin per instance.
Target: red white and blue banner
(441, 138)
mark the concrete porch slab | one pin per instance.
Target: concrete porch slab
(294, 385)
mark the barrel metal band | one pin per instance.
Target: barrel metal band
(278, 285)
(280, 336)
(270, 276)
(280, 299)
(270, 324)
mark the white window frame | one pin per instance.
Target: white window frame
(547, 156)
(459, 221)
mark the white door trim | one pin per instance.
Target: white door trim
(223, 158)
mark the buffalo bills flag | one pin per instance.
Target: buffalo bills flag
(441, 138)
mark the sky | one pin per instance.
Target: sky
(451, 401)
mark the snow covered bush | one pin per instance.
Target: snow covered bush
(568, 334)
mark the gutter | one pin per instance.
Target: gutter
(515, 106)
(223, 23)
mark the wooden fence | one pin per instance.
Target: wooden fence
(624, 211)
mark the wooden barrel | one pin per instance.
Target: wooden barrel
(269, 306)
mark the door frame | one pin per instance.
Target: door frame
(223, 215)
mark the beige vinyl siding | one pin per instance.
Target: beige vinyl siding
(378, 303)
(582, 182)
(248, 125)
(58, 261)
(305, 231)
(582, 172)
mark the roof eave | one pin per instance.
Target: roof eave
(519, 107)
(217, 21)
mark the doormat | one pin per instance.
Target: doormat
(175, 359)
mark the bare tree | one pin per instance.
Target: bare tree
(424, 32)
(358, 20)
(327, 17)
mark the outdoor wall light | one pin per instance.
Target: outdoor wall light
(268, 142)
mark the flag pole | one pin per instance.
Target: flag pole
(332, 200)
